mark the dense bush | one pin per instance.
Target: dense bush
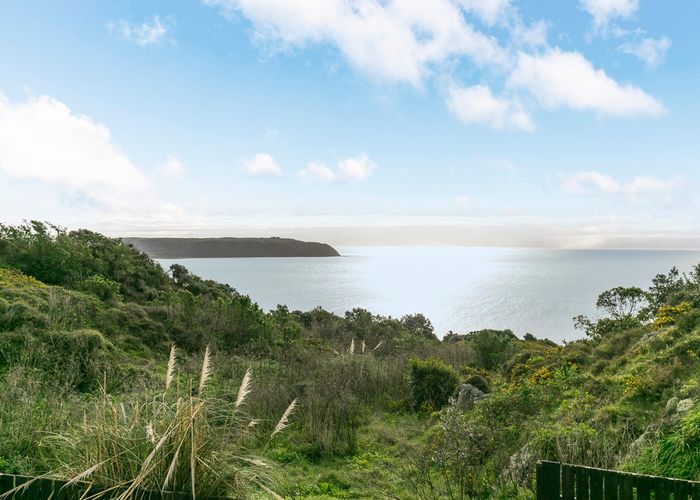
(432, 383)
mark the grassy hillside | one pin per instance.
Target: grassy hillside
(312, 404)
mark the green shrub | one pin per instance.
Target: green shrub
(432, 383)
(103, 288)
(492, 348)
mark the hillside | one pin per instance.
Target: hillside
(371, 407)
(181, 248)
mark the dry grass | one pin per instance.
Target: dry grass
(175, 440)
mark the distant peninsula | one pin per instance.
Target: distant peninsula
(183, 248)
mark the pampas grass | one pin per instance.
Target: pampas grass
(173, 441)
(244, 389)
(170, 374)
(284, 420)
(206, 371)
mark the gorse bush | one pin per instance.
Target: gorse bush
(432, 383)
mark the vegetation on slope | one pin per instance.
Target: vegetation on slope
(383, 408)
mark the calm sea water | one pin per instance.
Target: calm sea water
(459, 289)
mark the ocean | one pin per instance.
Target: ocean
(458, 288)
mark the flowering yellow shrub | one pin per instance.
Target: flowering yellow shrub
(541, 375)
(667, 315)
(632, 383)
(14, 278)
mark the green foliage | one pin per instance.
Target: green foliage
(432, 383)
(102, 288)
(419, 325)
(621, 303)
(57, 257)
(491, 347)
(75, 359)
(676, 453)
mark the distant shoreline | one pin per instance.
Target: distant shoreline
(186, 248)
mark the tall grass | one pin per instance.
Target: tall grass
(180, 439)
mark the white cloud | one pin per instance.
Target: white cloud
(49, 149)
(146, 33)
(477, 104)
(603, 11)
(488, 11)
(649, 185)
(394, 40)
(596, 182)
(567, 79)
(587, 181)
(317, 171)
(173, 168)
(650, 50)
(262, 164)
(354, 169)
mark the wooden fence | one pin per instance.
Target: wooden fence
(54, 489)
(574, 482)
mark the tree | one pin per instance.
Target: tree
(622, 303)
(419, 324)
(491, 347)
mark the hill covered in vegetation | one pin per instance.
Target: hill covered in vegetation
(181, 248)
(119, 372)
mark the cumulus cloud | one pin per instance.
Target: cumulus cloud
(317, 171)
(477, 104)
(262, 165)
(395, 41)
(400, 41)
(43, 142)
(173, 168)
(488, 11)
(604, 11)
(354, 169)
(596, 182)
(568, 80)
(651, 51)
(151, 32)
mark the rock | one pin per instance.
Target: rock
(467, 395)
(479, 382)
(684, 405)
(672, 404)
(638, 445)
(521, 465)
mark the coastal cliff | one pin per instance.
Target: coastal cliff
(181, 248)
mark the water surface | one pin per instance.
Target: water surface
(458, 288)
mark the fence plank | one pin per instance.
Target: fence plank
(643, 490)
(582, 491)
(46, 488)
(596, 484)
(568, 485)
(626, 487)
(660, 490)
(549, 473)
(575, 482)
(611, 485)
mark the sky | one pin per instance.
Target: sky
(545, 123)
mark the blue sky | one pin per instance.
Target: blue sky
(467, 122)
